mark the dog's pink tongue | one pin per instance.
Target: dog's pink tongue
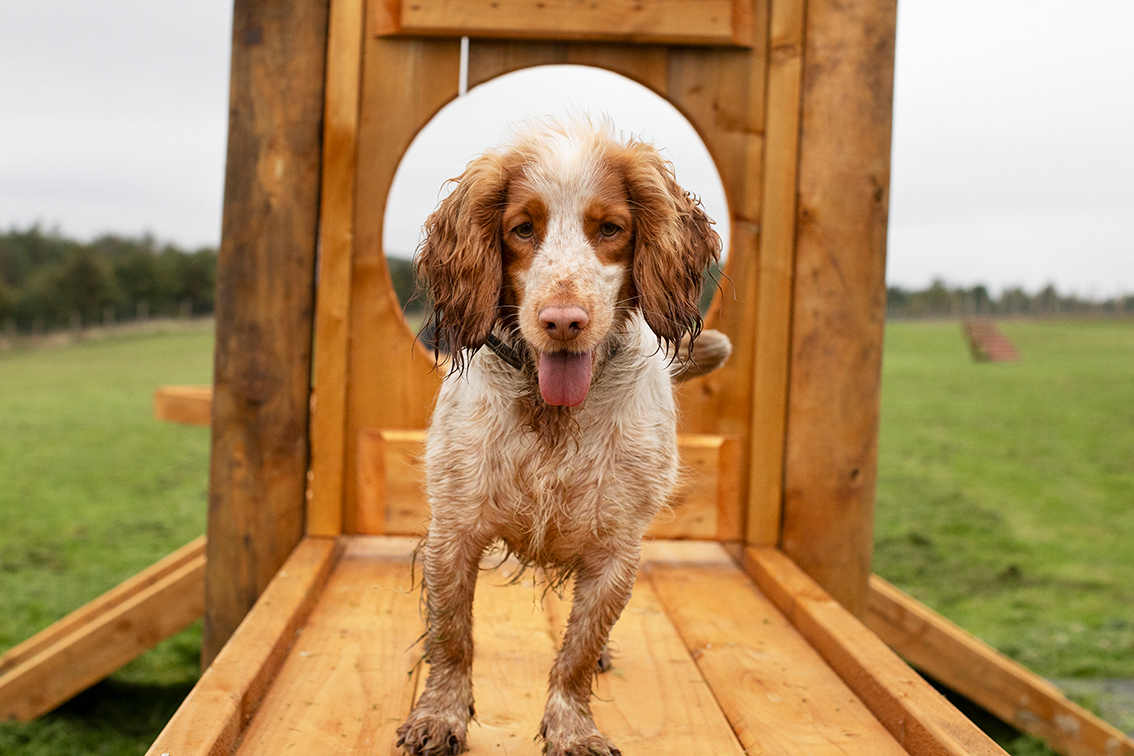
(564, 377)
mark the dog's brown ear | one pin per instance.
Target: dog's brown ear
(674, 244)
(460, 262)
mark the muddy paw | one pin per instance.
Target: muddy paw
(594, 745)
(425, 734)
(578, 738)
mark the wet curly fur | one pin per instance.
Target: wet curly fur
(582, 258)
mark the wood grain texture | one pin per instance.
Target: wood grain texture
(349, 679)
(188, 405)
(212, 718)
(87, 613)
(264, 305)
(691, 22)
(722, 93)
(779, 694)
(971, 667)
(777, 264)
(655, 699)
(915, 714)
(391, 379)
(336, 240)
(79, 650)
(391, 487)
(840, 296)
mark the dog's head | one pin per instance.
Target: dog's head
(561, 235)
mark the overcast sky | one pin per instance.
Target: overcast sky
(1013, 158)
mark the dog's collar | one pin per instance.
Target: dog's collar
(504, 352)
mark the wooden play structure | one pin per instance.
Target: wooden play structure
(987, 342)
(755, 624)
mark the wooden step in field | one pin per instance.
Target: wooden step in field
(988, 343)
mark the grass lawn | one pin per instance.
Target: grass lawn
(1006, 491)
(93, 490)
(1005, 501)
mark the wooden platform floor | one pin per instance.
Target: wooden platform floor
(704, 663)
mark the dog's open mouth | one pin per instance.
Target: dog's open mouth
(565, 377)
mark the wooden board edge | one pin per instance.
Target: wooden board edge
(712, 514)
(98, 607)
(965, 664)
(109, 639)
(771, 371)
(333, 289)
(217, 710)
(389, 19)
(188, 405)
(918, 717)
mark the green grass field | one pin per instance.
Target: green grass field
(1004, 501)
(94, 489)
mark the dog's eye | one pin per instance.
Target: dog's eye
(524, 230)
(609, 229)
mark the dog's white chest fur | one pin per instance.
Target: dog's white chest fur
(550, 491)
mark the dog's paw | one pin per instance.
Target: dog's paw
(574, 736)
(593, 745)
(426, 733)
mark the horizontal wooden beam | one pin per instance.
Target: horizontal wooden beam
(391, 491)
(971, 667)
(188, 405)
(918, 717)
(92, 642)
(683, 22)
(214, 715)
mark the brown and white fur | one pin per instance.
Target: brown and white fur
(583, 258)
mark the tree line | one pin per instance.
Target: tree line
(943, 301)
(49, 282)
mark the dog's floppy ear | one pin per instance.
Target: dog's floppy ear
(674, 244)
(460, 261)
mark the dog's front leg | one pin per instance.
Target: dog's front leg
(602, 588)
(438, 723)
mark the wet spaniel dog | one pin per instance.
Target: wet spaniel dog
(565, 272)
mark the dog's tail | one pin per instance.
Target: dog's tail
(702, 357)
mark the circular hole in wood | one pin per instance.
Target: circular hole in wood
(485, 116)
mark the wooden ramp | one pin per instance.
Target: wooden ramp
(706, 661)
(987, 343)
(92, 642)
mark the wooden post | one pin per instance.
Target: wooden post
(265, 291)
(840, 294)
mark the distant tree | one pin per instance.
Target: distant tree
(197, 279)
(85, 284)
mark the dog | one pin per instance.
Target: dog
(566, 271)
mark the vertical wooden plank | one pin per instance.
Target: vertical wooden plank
(336, 238)
(265, 288)
(391, 380)
(840, 294)
(490, 58)
(722, 93)
(777, 259)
